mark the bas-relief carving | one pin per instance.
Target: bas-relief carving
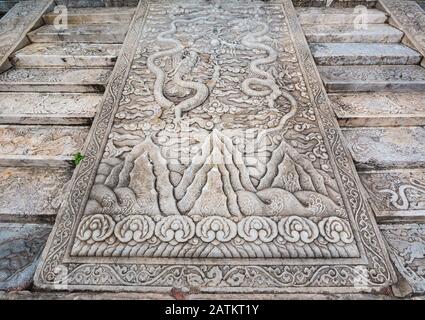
(396, 191)
(216, 152)
(407, 250)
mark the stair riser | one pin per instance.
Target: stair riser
(90, 19)
(334, 87)
(40, 61)
(77, 38)
(382, 122)
(347, 38)
(48, 87)
(365, 60)
(45, 119)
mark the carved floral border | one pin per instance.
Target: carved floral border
(375, 272)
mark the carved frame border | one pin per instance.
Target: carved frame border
(58, 271)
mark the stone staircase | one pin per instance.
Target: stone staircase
(47, 102)
(373, 75)
(376, 84)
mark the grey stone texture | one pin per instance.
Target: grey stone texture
(388, 147)
(91, 80)
(397, 195)
(373, 78)
(15, 25)
(407, 250)
(40, 145)
(20, 249)
(48, 108)
(379, 109)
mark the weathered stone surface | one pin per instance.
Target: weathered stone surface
(407, 250)
(93, 15)
(41, 146)
(54, 80)
(97, 3)
(15, 25)
(387, 147)
(93, 33)
(31, 295)
(408, 17)
(47, 108)
(323, 15)
(373, 78)
(366, 109)
(216, 171)
(39, 55)
(382, 33)
(335, 54)
(6, 5)
(396, 195)
(20, 248)
(31, 194)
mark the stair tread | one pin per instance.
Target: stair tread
(349, 33)
(22, 145)
(47, 108)
(394, 194)
(67, 55)
(54, 79)
(379, 108)
(386, 147)
(30, 193)
(94, 15)
(370, 78)
(94, 33)
(329, 15)
(363, 53)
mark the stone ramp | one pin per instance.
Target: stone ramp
(204, 216)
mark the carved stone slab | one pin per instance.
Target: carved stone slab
(215, 162)
(17, 23)
(407, 250)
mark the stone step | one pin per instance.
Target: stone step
(91, 15)
(381, 33)
(378, 109)
(406, 246)
(41, 55)
(373, 78)
(6, 5)
(335, 54)
(20, 250)
(40, 145)
(375, 148)
(54, 80)
(97, 3)
(396, 195)
(92, 33)
(14, 26)
(48, 108)
(322, 15)
(32, 194)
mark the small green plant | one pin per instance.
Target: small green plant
(78, 157)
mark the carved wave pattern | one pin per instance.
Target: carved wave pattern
(179, 236)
